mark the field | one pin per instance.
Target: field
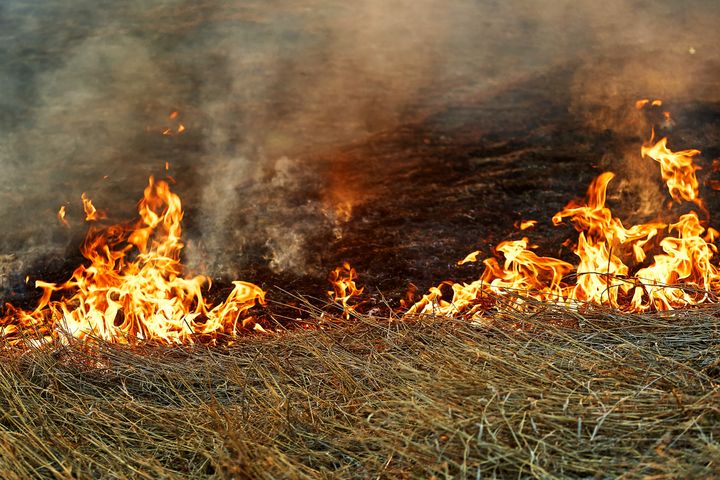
(552, 394)
(397, 137)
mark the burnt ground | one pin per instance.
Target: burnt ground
(430, 192)
(455, 180)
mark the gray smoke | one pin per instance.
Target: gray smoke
(87, 88)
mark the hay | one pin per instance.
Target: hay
(553, 394)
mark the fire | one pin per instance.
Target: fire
(133, 288)
(650, 266)
(61, 216)
(469, 258)
(176, 130)
(342, 280)
(525, 224)
(91, 213)
(677, 169)
(640, 104)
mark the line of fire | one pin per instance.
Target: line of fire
(133, 287)
(368, 239)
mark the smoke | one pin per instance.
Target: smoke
(86, 91)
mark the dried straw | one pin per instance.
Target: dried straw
(551, 393)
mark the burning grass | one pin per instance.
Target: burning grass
(548, 393)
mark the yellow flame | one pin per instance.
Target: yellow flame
(133, 288)
(525, 224)
(61, 216)
(471, 257)
(342, 280)
(91, 213)
(677, 169)
(650, 266)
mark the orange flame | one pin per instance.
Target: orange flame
(640, 104)
(91, 213)
(611, 267)
(525, 224)
(342, 280)
(677, 169)
(177, 129)
(471, 257)
(61, 216)
(133, 288)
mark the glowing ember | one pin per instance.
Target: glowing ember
(133, 288)
(640, 104)
(177, 129)
(342, 280)
(651, 266)
(525, 224)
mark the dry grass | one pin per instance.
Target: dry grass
(600, 395)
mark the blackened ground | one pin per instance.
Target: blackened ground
(426, 194)
(460, 179)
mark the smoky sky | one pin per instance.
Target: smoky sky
(87, 89)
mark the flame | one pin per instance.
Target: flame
(178, 129)
(650, 266)
(677, 169)
(525, 224)
(61, 216)
(642, 103)
(133, 288)
(471, 257)
(342, 280)
(91, 213)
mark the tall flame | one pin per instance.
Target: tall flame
(133, 287)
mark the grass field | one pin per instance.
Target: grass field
(548, 394)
